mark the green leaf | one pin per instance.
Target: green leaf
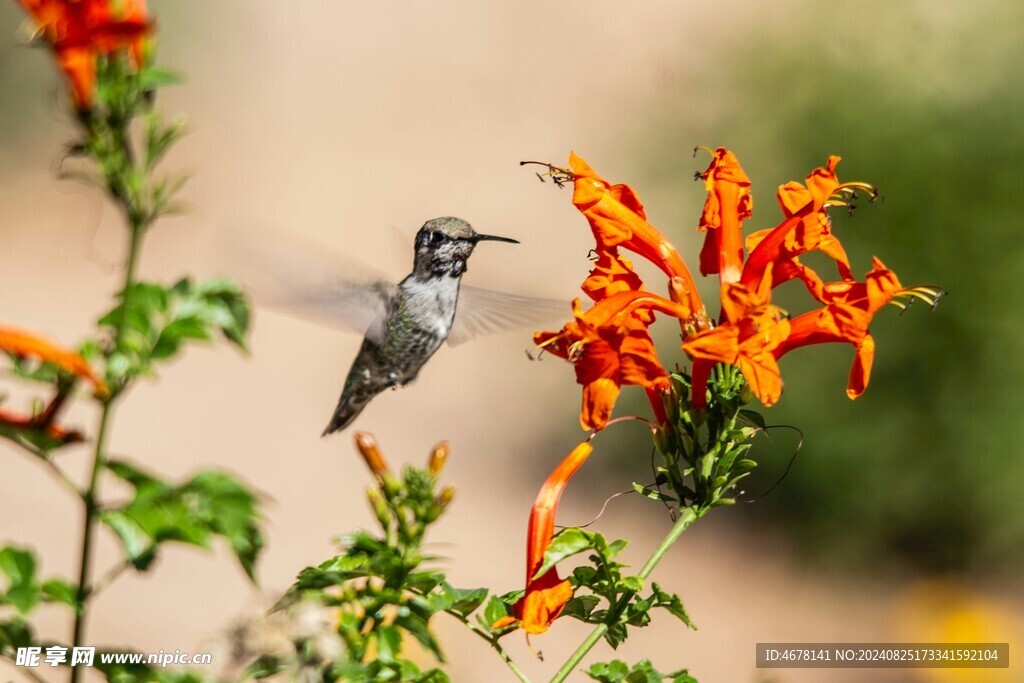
(611, 672)
(653, 494)
(496, 609)
(159, 320)
(210, 504)
(152, 78)
(753, 418)
(568, 542)
(417, 626)
(265, 667)
(14, 633)
(618, 671)
(671, 602)
(433, 676)
(632, 583)
(464, 601)
(62, 591)
(580, 607)
(137, 544)
(616, 635)
(23, 591)
(389, 643)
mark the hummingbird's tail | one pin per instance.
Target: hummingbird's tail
(345, 413)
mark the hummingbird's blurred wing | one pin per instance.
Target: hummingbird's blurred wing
(303, 280)
(483, 311)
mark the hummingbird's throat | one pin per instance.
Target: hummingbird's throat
(453, 267)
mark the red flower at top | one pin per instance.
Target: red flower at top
(79, 31)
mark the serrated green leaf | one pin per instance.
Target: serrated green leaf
(463, 601)
(672, 603)
(632, 583)
(210, 504)
(616, 635)
(580, 607)
(567, 543)
(610, 672)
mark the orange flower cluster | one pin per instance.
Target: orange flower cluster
(752, 334)
(24, 345)
(609, 343)
(79, 31)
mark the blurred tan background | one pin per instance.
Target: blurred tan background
(346, 122)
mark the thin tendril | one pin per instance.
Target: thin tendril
(789, 465)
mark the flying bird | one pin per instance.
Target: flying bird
(404, 324)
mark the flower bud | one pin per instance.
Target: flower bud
(438, 457)
(446, 496)
(367, 447)
(379, 506)
(661, 440)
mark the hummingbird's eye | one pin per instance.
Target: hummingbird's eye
(436, 237)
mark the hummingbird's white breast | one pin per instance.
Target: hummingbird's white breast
(432, 302)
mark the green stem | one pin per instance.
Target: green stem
(91, 494)
(493, 642)
(690, 515)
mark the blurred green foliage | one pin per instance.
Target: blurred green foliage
(924, 470)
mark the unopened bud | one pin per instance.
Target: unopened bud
(446, 496)
(371, 454)
(379, 506)
(438, 457)
(677, 290)
(661, 440)
(747, 394)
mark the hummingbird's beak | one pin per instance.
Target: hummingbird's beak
(494, 238)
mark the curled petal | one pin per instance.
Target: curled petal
(611, 274)
(617, 219)
(728, 204)
(860, 372)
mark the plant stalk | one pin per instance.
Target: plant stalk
(493, 642)
(689, 516)
(91, 494)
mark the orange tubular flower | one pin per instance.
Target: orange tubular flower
(547, 594)
(617, 218)
(610, 346)
(807, 227)
(81, 30)
(751, 331)
(25, 345)
(729, 203)
(849, 309)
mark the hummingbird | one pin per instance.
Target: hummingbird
(418, 316)
(404, 324)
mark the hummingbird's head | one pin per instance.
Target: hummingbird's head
(443, 245)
